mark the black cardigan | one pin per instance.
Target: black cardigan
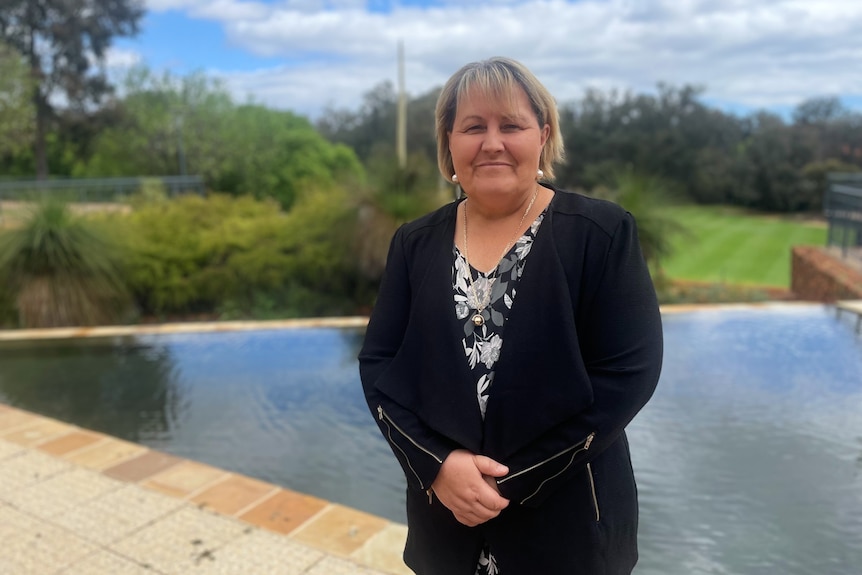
(581, 353)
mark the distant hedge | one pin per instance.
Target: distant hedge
(239, 257)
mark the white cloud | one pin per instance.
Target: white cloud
(305, 90)
(232, 11)
(766, 53)
(225, 9)
(118, 58)
(163, 5)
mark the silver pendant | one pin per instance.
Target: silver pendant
(478, 320)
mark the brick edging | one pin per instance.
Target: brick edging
(818, 276)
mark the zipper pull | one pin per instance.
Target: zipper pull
(590, 438)
(430, 493)
(380, 412)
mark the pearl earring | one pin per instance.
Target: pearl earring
(540, 174)
(454, 178)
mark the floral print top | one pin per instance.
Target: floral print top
(482, 344)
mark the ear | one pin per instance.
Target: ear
(546, 132)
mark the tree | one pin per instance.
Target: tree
(166, 125)
(646, 197)
(278, 154)
(394, 194)
(369, 128)
(174, 124)
(661, 134)
(370, 131)
(775, 154)
(63, 269)
(62, 41)
(818, 111)
(16, 107)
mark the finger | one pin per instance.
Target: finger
(491, 501)
(476, 516)
(472, 519)
(482, 506)
(488, 466)
(467, 521)
(492, 483)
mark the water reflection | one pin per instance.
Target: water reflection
(747, 455)
(117, 386)
(747, 458)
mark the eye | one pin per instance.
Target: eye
(511, 127)
(475, 128)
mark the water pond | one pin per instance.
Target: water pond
(748, 458)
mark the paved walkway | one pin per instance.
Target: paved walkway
(77, 502)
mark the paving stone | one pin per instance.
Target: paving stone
(39, 548)
(105, 562)
(258, 552)
(141, 467)
(106, 454)
(185, 478)
(335, 566)
(9, 449)
(339, 529)
(50, 498)
(11, 419)
(13, 525)
(285, 511)
(26, 469)
(186, 539)
(38, 431)
(117, 513)
(7, 565)
(70, 442)
(234, 494)
(384, 551)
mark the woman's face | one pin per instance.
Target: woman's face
(496, 145)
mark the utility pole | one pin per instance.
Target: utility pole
(181, 153)
(401, 126)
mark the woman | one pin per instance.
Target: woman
(515, 335)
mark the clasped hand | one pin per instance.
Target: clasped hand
(466, 486)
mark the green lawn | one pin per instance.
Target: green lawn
(733, 246)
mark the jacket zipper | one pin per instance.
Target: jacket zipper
(381, 415)
(593, 491)
(577, 448)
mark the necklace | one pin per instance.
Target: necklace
(478, 319)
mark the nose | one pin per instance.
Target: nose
(493, 141)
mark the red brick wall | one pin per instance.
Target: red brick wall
(816, 275)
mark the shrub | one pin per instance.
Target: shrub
(647, 198)
(241, 257)
(8, 312)
(62, 270)
(688, 292)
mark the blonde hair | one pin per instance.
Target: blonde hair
(497, 78)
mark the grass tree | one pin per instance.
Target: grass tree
(395, 195)
(648, 199)
(63, 271)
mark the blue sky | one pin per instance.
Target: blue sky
(305, 55)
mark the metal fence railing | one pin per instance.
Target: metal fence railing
(842, 207)
(98, 190)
